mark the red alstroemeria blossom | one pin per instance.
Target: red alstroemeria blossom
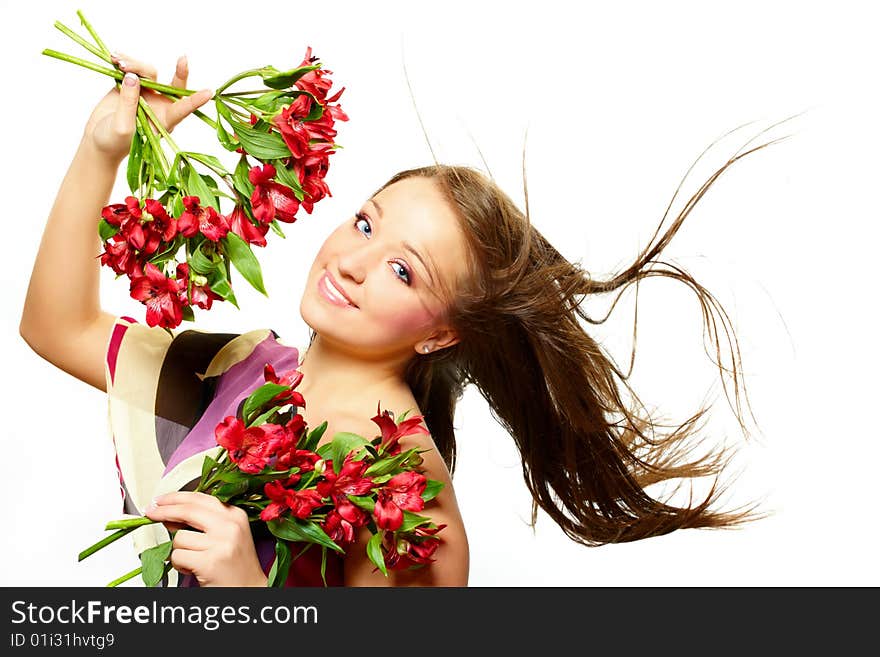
(122, 258)
(161, 228)
(161, 296)
(414, 551)
(340, 530)
(401, 493)
(195, 218)
(292, 379)
(295, 132)
(245, 229)
(349, 481)
(271, 200)
(393, 432)
(300, 502)
(118, 213)
(249, 447)
(201, 295)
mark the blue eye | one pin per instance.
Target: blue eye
(359, 217)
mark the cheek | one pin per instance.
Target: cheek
(405, 318)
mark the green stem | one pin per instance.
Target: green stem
(126, 577)
(104, 542)
(232, 94)
(236, 78)
(149, 110)
(155, 145)
(94, 34)
(85, 44)
(130, 523)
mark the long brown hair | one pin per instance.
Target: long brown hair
(588, 453)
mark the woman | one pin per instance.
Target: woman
(436, 282)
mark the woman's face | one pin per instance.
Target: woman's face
(387, 259)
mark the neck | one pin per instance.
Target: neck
(335, 374)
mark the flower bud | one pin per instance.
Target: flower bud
(199, 280)
(402, 546)
(320, 466)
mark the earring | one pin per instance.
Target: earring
(426, 349)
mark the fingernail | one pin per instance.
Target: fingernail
(121, 63)
(152, 505)
(129, 80)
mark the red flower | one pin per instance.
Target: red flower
(290, 379)
(311, 171)
(161, 296)
(295, 132)
(316, 82)
(414, 551)
(196, 218)
(401, 492)
(250, 448)
(349, 481)
(245, 229)
(119, 213)
(202, 295)
(340, 530)
(300, 502)
(271, 200)
(122, 257)
(392, 432)
(161, 228)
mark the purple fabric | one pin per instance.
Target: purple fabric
(234, 385)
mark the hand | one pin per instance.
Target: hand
(222, 552)
(112, 123)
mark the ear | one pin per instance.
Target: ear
(441, 338)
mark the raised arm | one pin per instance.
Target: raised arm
(62, 319)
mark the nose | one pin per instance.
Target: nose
(354, 262)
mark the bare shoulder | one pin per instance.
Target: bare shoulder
(452, 556)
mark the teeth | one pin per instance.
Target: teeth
(335, 291)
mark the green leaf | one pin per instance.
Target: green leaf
(260, 396)
(281, 566)
(153, 563)
(366, 502)
(226, 492)
(240, 180)
(287, 176)
(106, 230)
(209, 161)
(432, 488)
(220, 286)
(294, 529)
(275, 227)
(201, 263)
(135, 162)
(177, 205)
(245, 261)
(196, 186)
(343, 443)
(262, 145)
(187, 314)
(374, 551)
(388, 465)
(265, 416)
(225, 138)
(411, 521)
(275, 79)
(313, 437)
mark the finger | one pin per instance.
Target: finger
(127, 63)
(187, 105)
(187, 561)
(188, 497)
(192, 515)
(126, 108)
(180, 73)
(189, 540)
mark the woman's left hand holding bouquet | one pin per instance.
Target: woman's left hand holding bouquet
(212, 541)
(112, 123)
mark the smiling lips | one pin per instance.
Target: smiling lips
(334, 294)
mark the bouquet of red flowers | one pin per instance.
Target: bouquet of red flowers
(269, 463)
(286, 126)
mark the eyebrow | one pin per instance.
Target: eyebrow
(409, 247)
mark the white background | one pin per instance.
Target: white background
(618, 99)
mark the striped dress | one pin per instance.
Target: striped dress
(166, 394)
